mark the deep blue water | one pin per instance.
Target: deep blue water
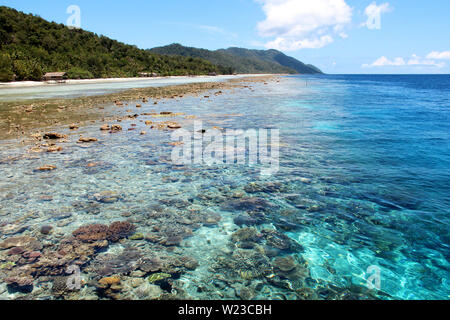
(364, 181)
(384, 143)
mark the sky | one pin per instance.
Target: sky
(338, 36)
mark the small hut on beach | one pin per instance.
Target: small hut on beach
(54, 76)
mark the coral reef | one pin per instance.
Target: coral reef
(91, 233)
(97, 232)
(119, 230)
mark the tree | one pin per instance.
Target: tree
(36, 46)
(6, 73)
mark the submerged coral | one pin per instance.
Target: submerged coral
(111, 264)
(120, 230)
(97, 232)
(92, 233)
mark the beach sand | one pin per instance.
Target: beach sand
(21, 119)
(27, 84)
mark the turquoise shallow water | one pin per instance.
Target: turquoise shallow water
(363, 181)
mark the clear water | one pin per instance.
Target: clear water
(364, 181)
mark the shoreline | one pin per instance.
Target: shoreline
(29, 84)
(19, 120)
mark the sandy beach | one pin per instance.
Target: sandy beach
(28, 84)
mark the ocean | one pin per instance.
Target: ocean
(357, 209)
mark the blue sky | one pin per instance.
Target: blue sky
(339, 36)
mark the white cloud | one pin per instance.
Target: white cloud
(445, 55)
(418, 61)
(399, 62)
(284, 44)
(299, 24)
(373, 13)
(383, 61)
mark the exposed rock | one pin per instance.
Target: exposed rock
(54, 136)
(116, 128)
(87, 140)
(47, 167)
(54, 149)
(174, 126)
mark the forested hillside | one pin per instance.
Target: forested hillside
(31, 46)
(243, 60)
(273, 56)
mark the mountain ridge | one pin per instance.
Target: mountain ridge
(243, 60)
(31, 46)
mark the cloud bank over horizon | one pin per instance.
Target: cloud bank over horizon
(303, 24)
(414, 60)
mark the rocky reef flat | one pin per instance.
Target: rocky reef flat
(94, 207)
(21, 118)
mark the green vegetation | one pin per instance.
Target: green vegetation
(31, 46)
(243, 60)
(274, 56)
